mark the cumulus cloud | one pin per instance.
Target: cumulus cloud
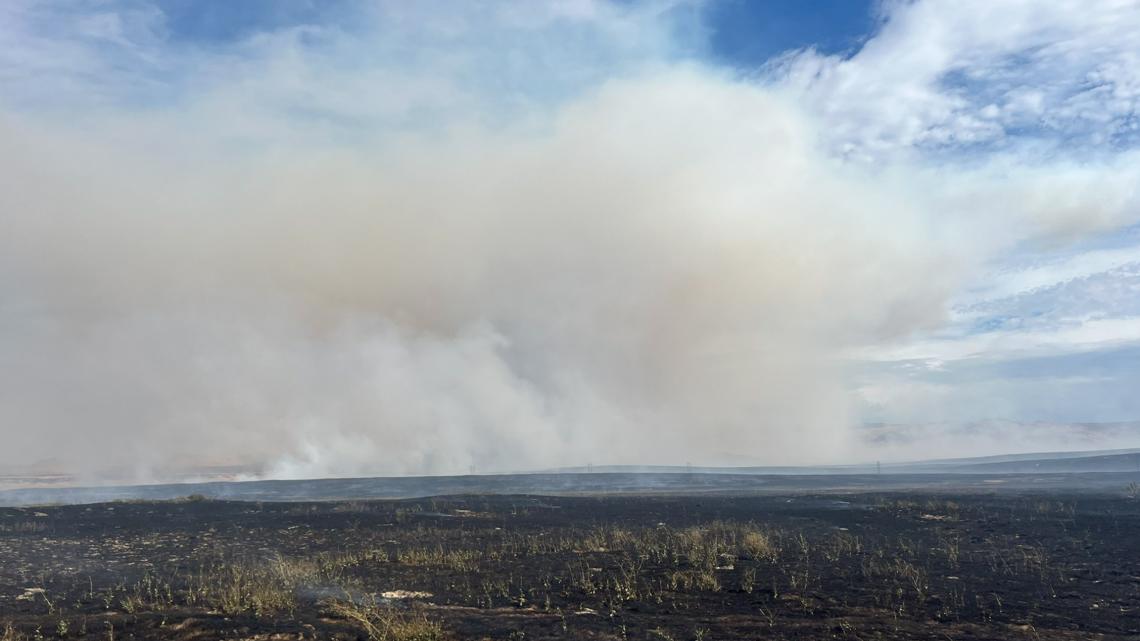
(949, 73)
(324, 251)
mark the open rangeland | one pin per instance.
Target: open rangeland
(861, 566)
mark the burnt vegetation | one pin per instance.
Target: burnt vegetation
(624, 567)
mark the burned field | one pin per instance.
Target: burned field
(866, 566)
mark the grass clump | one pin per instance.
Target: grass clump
(382, 622)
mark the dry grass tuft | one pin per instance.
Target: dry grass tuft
(757, 545)
(384, 623)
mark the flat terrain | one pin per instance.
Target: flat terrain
(720, 481)
(835, 566)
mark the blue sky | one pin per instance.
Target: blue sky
(217, 21)
(741, 33)
(819, 213)
(747, 34)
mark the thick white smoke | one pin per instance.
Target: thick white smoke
(666, 268)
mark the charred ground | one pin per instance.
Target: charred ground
(855, 566)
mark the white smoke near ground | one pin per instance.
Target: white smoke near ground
(666, 268)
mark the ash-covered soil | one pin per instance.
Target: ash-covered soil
(862, 566)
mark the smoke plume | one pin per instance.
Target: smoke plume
(667, 267)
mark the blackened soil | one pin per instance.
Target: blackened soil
(862, 566)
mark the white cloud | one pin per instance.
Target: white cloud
(1090, 334)
(1051, 272)
(976, 72)
(1022, 107)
